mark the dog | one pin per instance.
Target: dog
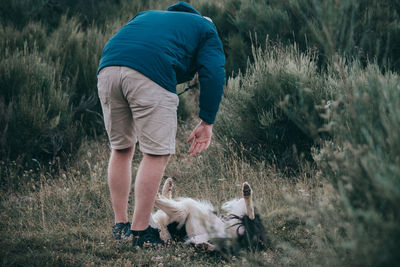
(196, 222)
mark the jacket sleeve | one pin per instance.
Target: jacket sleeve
(210, 65)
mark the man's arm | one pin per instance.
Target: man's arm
(211, 73)
(210, 66)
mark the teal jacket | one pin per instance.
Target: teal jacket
(169, 47)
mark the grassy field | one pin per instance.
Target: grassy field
(66, 219)
(309, 118)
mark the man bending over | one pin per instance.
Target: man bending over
(139, 69)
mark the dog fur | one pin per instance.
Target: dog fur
(196, 222)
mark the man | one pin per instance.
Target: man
(137, 77)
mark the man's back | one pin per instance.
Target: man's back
(169, 47)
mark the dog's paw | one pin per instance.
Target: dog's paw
(165, 235)
(205, 246)
(246, 190)
(168, 188)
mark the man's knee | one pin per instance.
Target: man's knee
(125, 152)
(160, 158)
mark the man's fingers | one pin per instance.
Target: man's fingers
(196, 149)
(192, 147)
(202, 147)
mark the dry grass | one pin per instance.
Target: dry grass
(66, 220)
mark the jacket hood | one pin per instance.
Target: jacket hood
(183, 7)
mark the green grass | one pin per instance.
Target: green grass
(66, 219)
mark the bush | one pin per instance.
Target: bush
(241, 23)
(78, 51)
(273, 109)
(363, 162)
(21, 12)
(366, 29)
(48, 90)
(37, 120)
(355, 29)
(31, 37)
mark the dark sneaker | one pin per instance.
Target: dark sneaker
(147, 238)
(121, 231)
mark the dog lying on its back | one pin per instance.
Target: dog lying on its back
(196, 222)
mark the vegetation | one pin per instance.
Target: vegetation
(364, 29)
(309, 118)
(65, 219)
(362, 160)
(274, 109)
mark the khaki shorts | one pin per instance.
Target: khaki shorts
(137, 109)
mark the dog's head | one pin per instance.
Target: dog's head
(253, 235)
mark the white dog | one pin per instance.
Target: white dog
(196, 222)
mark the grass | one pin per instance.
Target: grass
(66, 219)
(342, 209)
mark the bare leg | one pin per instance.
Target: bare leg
(119, 181)
(147, 181)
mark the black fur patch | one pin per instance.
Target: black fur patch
(177, 234)
(254, 236)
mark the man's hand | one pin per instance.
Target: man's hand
(201, 137)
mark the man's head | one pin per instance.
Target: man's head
(185, 7)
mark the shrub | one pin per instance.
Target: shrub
(37, 120)
(21, 12)
(31, 37)
(364, 29)
(273, 109)
(363, 162)
(78, 51)
(241, 23)
(59, 77)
